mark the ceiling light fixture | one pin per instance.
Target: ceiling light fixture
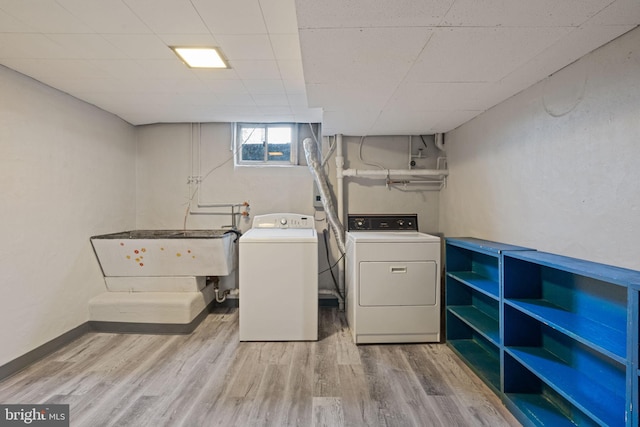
(200, 57)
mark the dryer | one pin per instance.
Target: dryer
(392, 277)
(278, 277)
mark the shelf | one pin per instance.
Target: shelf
(482, 284)
(607, 273)
(589, 396)
(483, 246)
(541, 411)
(602, 337)
(481, 322)
(484, 362)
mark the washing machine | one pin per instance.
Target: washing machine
(392, 277)
(278, 279)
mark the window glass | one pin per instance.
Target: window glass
(279, 145)
(266, 143)
(253, 141)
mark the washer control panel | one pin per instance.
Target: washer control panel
(382, 222)
(283, 220)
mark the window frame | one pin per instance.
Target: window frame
(237, 142)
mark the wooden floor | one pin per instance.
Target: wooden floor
(208, 378)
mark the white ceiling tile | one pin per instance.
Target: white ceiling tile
(294, 86)
(256, 70)
(188, 40)
(30, 45)
(286, 46)
(169, 16)
(78, 86)
(88, 46)
(216, 74)
(47, 16)
(480, 54)
(297, 100)
(141, 46)
(10, 24)
(279, 16)
(522, 13)
(348, 96)
(166, 69)
(362, 54)
(620, 12)
(358, 62)
(119, 69)
(370, 13)
(276, 100)
(107, 17)
(438, 96)
(235, 100)
(291, 69)
(231, 17)
(262, 86)
(246, 46)
(226, 86)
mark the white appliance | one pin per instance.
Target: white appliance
(392, 280)
(278, 275)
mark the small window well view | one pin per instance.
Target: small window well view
(266, 144)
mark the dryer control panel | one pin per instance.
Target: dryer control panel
(382, 222)
(283, 220)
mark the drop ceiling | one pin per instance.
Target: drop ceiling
(361, 67)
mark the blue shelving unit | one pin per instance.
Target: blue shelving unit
(473, 297)
(559, 336)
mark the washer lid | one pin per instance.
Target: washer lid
(392, 236)
(280, 235)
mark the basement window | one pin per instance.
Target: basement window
(266, 144)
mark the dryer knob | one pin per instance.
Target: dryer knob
(283, 221)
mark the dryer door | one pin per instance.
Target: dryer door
(397, 283)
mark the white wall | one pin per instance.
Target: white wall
(367, 196)
(66, 173)
(556, 167)
(164, 166)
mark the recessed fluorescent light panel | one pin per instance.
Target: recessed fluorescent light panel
(200, 57)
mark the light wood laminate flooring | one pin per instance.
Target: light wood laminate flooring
(209, 378)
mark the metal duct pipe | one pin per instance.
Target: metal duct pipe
(311, 154)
